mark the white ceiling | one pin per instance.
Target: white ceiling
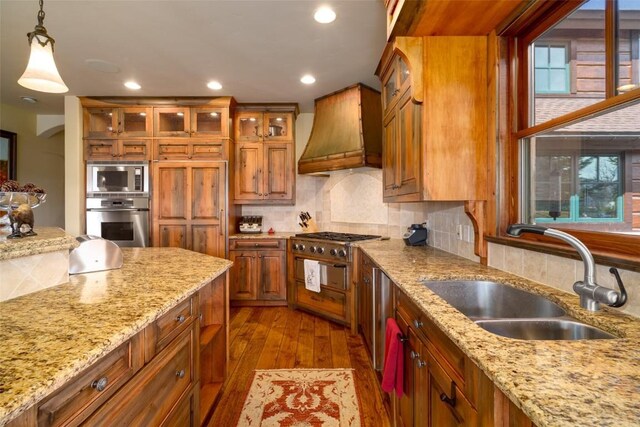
(257, 49)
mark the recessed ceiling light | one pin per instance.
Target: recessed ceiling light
(29, 99)
(214, 85)
(132, 85)
(324, 15)
(308, 79)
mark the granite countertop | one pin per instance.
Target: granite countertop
(48, 239)
(556, 383)
(49, 336)
(277, 235)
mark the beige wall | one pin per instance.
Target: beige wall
(40, 161)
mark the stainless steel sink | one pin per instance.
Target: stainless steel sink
(543, 329)
(514, 313)
(490, 300)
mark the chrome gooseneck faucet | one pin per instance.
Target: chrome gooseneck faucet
(591, 294)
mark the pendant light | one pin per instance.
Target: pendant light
(41, 73)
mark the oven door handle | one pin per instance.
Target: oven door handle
(117, 209)
(333, 265)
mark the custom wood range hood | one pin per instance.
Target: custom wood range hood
(346, 133)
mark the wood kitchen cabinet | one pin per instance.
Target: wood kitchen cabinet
(181, 121)
(365, 300)
(168, 374)
(442, 387)
(117, 149)
(258, 275)
(264, 154)
(117, 122)
(189, 200)
(434, 102)
(264, 173)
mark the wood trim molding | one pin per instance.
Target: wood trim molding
(475, 210)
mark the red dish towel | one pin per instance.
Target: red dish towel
(392, 373)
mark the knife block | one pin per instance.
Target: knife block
(311, 227)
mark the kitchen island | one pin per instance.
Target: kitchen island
(50, 336)
(555, 383)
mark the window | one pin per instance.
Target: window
(551, 69)
(572, 156)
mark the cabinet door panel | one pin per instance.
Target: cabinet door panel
(389, 155)
(207, 192)
(408, 145)
(249, 126)
(100, 123)
(278, 126)
(172, 236)
(135, 121)
(135, 150)
(278, 161)
(243, 275)
(157, 388)
(101, 149)
(171, 121)
(171, 192)
(248, 166)
(405, 403)
(208, 239)
(210, 121)
(272, 275)
(454, 413)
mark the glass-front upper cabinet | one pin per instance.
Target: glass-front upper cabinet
(210, 121)
(249, 126)
(395, 82)
(117, 122)
(171, 121)
(277, 126)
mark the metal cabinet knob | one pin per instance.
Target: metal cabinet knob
(414, 355)
(180, 319)
(421, 363)
(100, 384)
(180, 373)
(417, 323)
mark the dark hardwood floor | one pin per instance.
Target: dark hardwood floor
(277, 338)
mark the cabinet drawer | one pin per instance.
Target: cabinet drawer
(168, 326)
(207, 150)
(78, 398)
(171, 150)
(326, 302)
(273, 244)
(150, 396)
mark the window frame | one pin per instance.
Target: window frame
(567, 67)
(513, 69)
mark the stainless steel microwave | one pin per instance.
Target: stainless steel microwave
(118, 177)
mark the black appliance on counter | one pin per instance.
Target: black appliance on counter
(416, 235)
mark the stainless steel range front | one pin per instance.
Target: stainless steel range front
(333, 254)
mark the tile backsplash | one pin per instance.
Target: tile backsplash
(561, 273)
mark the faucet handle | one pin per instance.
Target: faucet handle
(622, 299)
(517, 229)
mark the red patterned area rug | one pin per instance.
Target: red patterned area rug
(301, 397)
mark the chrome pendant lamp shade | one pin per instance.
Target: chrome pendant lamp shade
(41, 73)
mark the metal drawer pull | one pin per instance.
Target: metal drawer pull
(421, 363)
(180, 373)
(402, 338)
(451, 401)
(100, 384)
(417, 323)
(414, 355)
(180, 319)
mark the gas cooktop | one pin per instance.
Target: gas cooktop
(337, 237)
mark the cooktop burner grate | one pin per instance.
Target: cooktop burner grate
(337, 237)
